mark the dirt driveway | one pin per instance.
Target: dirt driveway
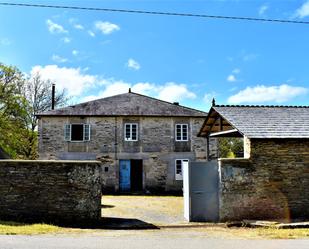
(156, 210)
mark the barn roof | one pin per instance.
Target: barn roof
(127, 104)
(258, 121)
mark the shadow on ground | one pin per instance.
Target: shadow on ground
(107, 206)
(104, 223)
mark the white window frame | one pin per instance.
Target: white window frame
(68, 132)
(130, 139)
(181, 132)
(179, 176)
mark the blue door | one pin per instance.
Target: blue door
(124, 175)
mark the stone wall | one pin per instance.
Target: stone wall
(156, 146)
(271, 184)
(50, 191)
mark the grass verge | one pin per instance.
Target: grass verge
(15, 228)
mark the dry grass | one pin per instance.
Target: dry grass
(167, 211)
(163, 211)
(27, 229)
(258, 233)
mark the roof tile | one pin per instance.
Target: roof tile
(128, 104)
(268, 121)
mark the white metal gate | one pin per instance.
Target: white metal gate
(201, 188)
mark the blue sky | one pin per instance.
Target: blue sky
(189, 60)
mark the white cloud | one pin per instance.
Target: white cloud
(5, 42)
(66, 39)
(75, 52)
(133, 64)
(249, 57)
(89, 98)
(92, 34)
(261, 93)
(73, 20)
(59, 59)
(106, 27)
(144, 88)
(78, 26)
(263, 9)
(172, 91)
(231, 78)
(75, 24)
(236, 71)
(72, 79)
(303, 11)
(208, 97)
(55, 28)
(233, 89)
(169, 91)
(115, 88)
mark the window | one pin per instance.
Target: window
(130, 131)
(77, 132)
(178, 168)
(181, 132)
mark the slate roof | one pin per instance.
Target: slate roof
(268, 121)
(127, 104)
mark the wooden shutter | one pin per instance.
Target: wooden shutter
(67, 132)
(86, 132)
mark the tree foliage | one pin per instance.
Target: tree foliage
(230, 147)
(20, 99)
(13, 110)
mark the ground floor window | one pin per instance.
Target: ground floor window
(178, 168)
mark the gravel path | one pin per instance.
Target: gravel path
(157, 210)
(155, 241)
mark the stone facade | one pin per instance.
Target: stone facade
(271, 184)
(50, 191)
(156, 146)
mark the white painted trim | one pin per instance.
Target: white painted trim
(130, 138)
(223, 132)
(77, 141)
(179, 177)
(181, 132)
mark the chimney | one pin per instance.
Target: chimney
(176, 103)
(129, 90)
(53, 97)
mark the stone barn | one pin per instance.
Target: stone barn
(141, 141)
(272, 180)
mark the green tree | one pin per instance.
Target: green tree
(230, 147)
(38, 94)
(21, 99)
(13, 111)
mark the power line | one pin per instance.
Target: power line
(153, 13)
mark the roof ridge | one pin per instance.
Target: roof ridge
(164, 101)
(267, 106)
(172, 107)
(167, 102)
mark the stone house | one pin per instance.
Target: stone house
(272, 180)
(140, 140)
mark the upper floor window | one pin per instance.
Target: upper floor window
(181, 132)
(131, 132)
(77, 132)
